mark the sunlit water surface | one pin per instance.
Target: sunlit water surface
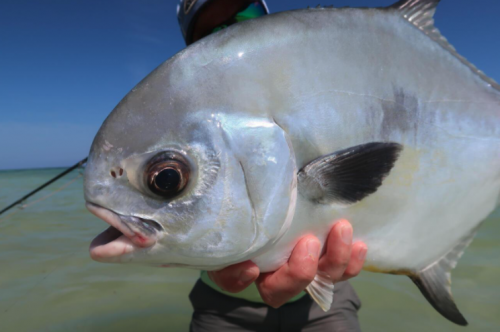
(49, 283)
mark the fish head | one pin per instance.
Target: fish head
(186, 180)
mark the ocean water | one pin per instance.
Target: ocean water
(49, 283)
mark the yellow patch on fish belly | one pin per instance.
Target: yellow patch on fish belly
(405, 168)
(373, 268)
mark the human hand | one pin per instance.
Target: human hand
(342, 260)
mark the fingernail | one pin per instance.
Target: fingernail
(249, 274)
(362, 254)
(313, 248)
(346, 234)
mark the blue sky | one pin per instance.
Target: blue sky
(65, 64)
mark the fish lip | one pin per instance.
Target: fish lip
(142, 233)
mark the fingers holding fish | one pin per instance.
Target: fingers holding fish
(235, 278)
(276, 288)
(337, 256)
(341, 260)
(358, 256)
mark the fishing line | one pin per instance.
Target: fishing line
(41, 199)
(24, 206)
(57, 177)
(80, 174)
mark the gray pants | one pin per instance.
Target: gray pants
(214, 311)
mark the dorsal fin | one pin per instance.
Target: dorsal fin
(434, 281)
(420, 13)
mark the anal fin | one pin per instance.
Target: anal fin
(321, 290)
(435, 282)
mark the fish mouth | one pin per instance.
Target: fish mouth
(125, 235)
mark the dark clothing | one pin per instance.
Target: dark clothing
(214, 311)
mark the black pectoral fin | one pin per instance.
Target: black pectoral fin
(349, 175)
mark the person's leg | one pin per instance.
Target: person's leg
(215, 312)
(306, 316)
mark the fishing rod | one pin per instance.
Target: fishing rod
(57, 177)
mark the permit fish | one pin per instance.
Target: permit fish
(276, 127)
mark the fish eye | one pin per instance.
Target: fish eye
(167, 174)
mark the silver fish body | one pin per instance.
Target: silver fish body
(252, 105)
